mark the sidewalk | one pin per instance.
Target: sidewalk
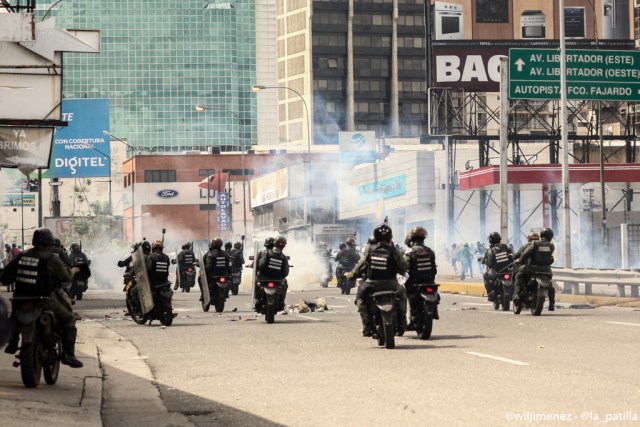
(75, 400)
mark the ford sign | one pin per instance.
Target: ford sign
(165, 194)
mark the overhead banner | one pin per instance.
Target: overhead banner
(25, 148)
(81, 150)
(358, 147)
(224, 220)
(269, 188)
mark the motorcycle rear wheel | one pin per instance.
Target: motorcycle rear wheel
(427, 326)
(536, 309)
(30, 366)
(51, 367)
(167, 317)
(219, 307)
(506, 301)
(271, 313)
(389, 336)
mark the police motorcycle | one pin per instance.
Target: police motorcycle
(269, 291)
(186, 279)
(383, 311)
(424, 309)
(146, 303)
(79, 283)
(41, 350)
(215, 293)
(534, 294)
(504, 288)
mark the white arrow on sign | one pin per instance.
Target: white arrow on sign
(520, 63)
(50, 40)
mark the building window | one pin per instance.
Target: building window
(160, 176)
(211, 206)
(206, 172)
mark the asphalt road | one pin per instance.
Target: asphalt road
(482, 367)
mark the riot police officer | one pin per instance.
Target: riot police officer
(236, 257)
(381, 265)
(274, 265)
(186, 260)
(216, 262)
(535, 256)
(59, 250)
(347, 259)
(421, 266)
(37, 272)
(158, 264)
(496, 258)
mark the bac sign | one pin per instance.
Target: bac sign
(604, 75)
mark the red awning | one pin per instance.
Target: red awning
(217, 181)
(579, 173)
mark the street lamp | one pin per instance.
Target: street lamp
(258, 88)
(133, 200)
(244, 193)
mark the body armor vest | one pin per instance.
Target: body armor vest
(32, 278)
(159, 271)
(382, 266)
(219, 263)
(189, 258)
(346, 260)
(421, 270)
(274, 268)
(542, 254)
(501, 258)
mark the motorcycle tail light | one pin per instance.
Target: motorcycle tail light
(222, 280)
(271, 285)
(507, 276)
(429, 290)
(190, 269)
(28, 305)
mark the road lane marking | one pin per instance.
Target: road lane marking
(624, 323)
(501, 359)
(308, 317)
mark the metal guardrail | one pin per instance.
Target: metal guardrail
(572, 278)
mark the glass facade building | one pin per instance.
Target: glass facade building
(158, 61)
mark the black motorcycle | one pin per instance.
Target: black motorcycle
(535, 292)
(162, 309)
(504, 289)
(41, 349)
(424, 309)
(218, 293)
(269, 294)
(188, 279)
(346, 285)
(383, 307)
(79, 283)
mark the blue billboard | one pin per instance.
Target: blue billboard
(81, 150)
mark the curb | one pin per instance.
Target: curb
(477, 289)
(91, 400)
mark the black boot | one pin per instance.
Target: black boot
(12, 347)
(69, 350)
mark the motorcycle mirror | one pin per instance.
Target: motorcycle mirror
(164, 230)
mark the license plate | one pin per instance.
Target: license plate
(431, 297)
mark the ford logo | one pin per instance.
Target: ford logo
(165, 194)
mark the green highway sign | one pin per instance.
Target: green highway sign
(604, 75)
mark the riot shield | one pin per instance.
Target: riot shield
(142, 280)
(177, 285)
(206, 297)
(256, 251)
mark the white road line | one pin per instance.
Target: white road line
(624, 323)
(310, 318)
(501, 359)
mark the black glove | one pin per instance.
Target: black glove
(121, 264)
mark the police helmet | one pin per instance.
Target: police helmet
(351, 242)
(546, 233)
(157, 245)
(57, 242)
(228, 245)
(418, 234)
(382, 233)
(42, 237)
(237, 245)
(280, 242)
(269, 242)
(342, 246)
(494, 238)
(187, 245)
(146, 246)
(533, 236)
(216, 243)
(75, 247)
